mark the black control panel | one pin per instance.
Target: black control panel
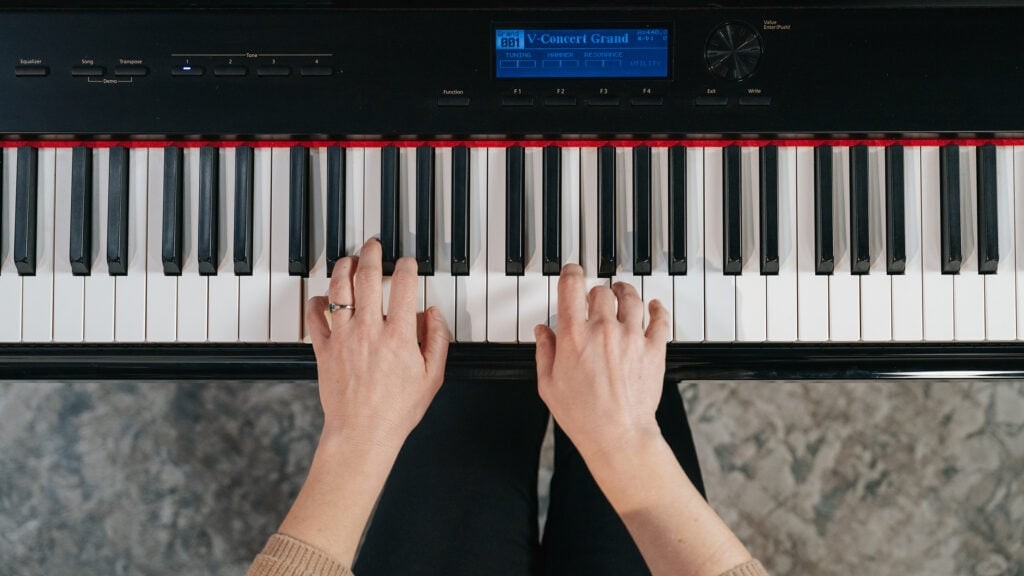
(547, 71)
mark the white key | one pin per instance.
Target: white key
(407, 206)
(624, 227)
(10, 282)
(719, 289)
(37, 299)
(254, 290)
(161, 291)
(782, 288)
(440, 288)
(193, 289)
(285, 290)
(471, 291)
(533, 285)
(130, 290)
(502, 290)
(658, 286)
(843, 287)
(812, 303)
(907, 321)
(876, 285)
(68, 289)
(588, 219)
(570, 223)
(751, 288)
(223, 326)
(317, 282)
(968, 285)
(937, 288)
(355, 159)
(689, 288)
(99, 285)
(1000, 288)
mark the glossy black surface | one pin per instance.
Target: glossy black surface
(641, 240)
(209, 210)
(298, 212)
(677, 210)
(335, 243)
(988, 223)
(769, 203)
(390, 209)
(516, 362)
(461, 221)
(824, 251)
(860, 223)
(80, 246)
(425, 210)
(172, 213)
(551, 213)
(607, 259)
(895, 212)
(242, 245)
(515, 212)
(949, 208)
(732, 212)
(25, 204)
(117, 212)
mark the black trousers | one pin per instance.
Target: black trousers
(462, 497)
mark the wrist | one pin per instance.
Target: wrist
(622, 471)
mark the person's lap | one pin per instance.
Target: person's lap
(462, 496)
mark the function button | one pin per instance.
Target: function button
(647, 101)
(87, 71)
(560, 101)
(711, 101)
(603, 101)
(316, 71)
(226, 70)
(453, 101)
(755, 100)
(31, 70)
(131, 71)
(273, 71)
(517, 100)
(188, 71)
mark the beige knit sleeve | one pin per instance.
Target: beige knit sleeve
(286, 556)
(752, 568)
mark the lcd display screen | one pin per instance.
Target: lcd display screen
(581, 53)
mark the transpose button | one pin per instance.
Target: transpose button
(131, 71)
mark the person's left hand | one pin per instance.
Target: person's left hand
(377, 375)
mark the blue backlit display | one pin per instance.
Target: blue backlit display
(581, 53)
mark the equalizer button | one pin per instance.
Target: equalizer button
(31, 71)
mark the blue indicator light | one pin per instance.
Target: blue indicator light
(581, 53)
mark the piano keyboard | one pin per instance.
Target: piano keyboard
(743, 243)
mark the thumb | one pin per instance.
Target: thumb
(436, 337)
(545, 350)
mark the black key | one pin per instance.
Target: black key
(298, 212)
(244, 167)
(1, 198)
(515, 210)
(949, 208)
(823, 249)
(769, 201)
(677, 210)
(732, 225)
(390, 221)
(551, 241)
(335, 246)
(642, 251)
(209, 210)
(425, 210)
(170, 249)
(895, 219)
(80, 250)
(606, 258)
(117, 212)
(25, 211)
(988, 225)
(460, 211)
(860, 227)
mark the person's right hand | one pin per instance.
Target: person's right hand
(601, 374)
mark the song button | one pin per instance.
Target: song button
(87, 71)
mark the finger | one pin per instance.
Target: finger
(340, 290)
(631, 307)
(602, 303)
(367, 282)
(572, 296)
(436, 338)
(316, 322)
(660, 328)
(545, 350)
(404, 297)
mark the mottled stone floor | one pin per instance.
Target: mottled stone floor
(817, 478)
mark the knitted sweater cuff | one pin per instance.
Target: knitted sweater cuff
(286, 556)
(752, 568)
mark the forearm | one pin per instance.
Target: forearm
(675, 529)
(335, 503)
